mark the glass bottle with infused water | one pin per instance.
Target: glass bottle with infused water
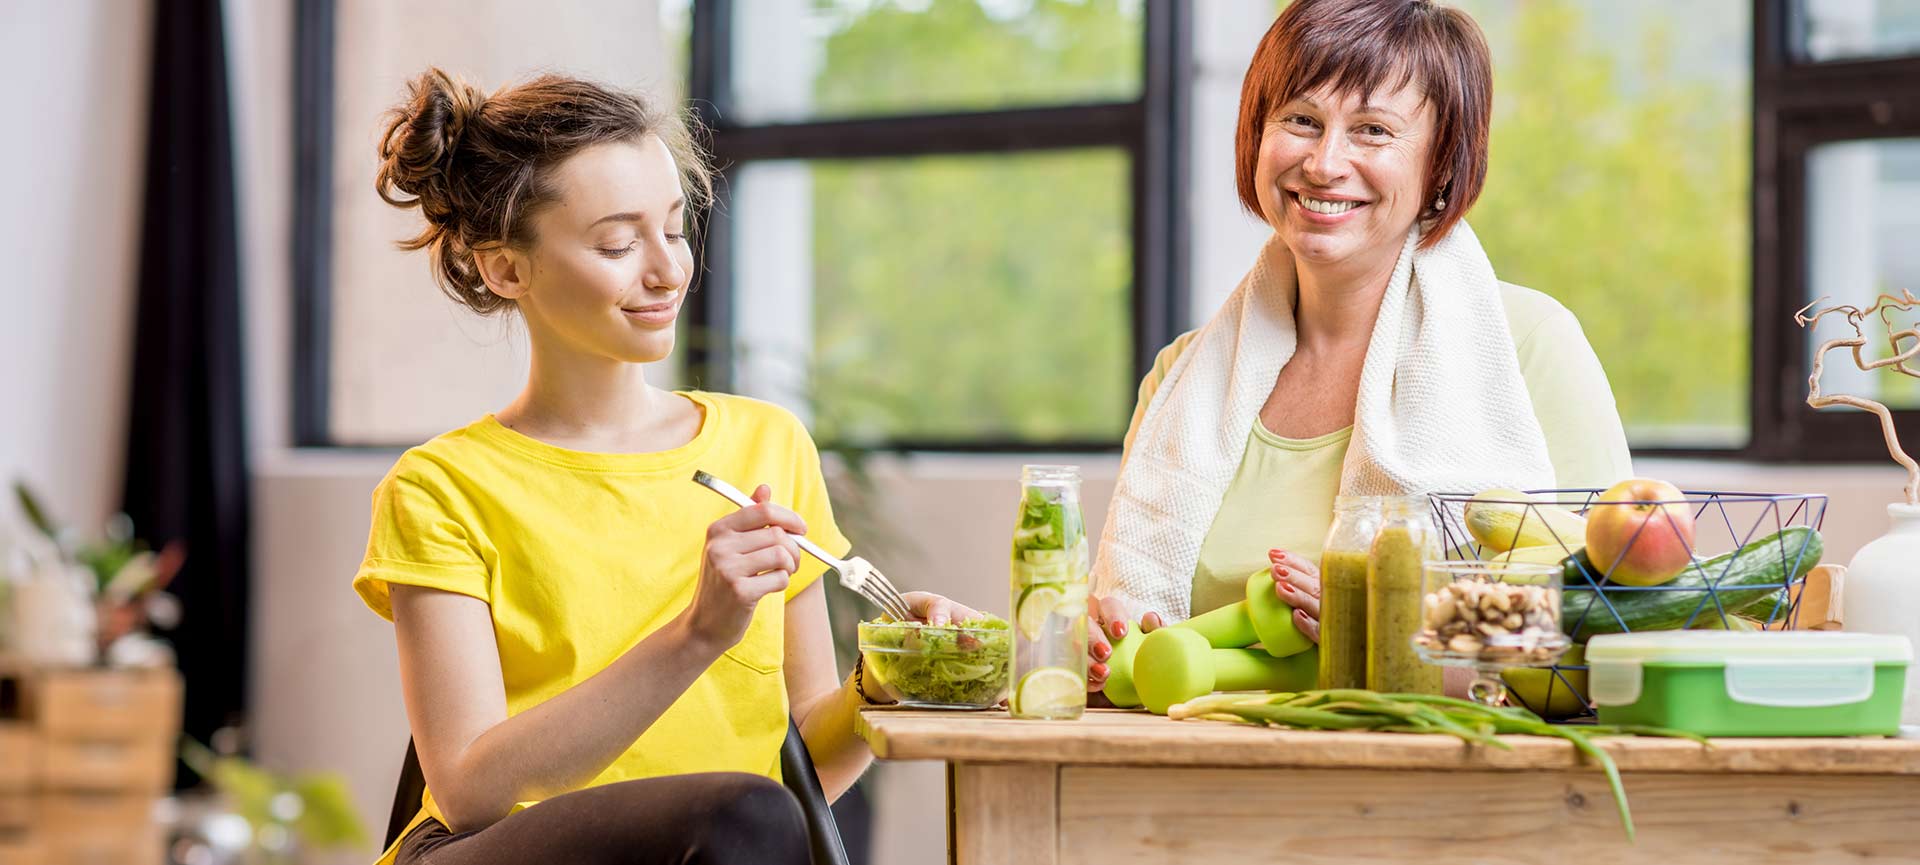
(1049, 596)
(1343, 591)
(1396, 564)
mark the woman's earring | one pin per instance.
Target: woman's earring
(1439, 204)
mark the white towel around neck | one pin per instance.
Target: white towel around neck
(1442, 407)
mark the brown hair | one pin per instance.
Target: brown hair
(480, 166)
(1370, 44)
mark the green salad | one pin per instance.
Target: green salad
(964, 664)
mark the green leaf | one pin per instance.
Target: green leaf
(36, 514)
(329, 820)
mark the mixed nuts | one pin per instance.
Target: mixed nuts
(1492, 621)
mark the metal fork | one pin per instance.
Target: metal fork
(855, 573)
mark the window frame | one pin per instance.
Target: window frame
(1149, 130)
(312, 242)
(1798, 105)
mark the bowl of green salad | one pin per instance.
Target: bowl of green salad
(959, 666)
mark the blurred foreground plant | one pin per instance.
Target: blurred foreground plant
(285, 814)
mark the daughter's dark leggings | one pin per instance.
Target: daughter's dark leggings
(713, 818)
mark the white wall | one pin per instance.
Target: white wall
(71, 165)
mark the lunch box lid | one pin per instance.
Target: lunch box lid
(1713, 647)
(1790, 669)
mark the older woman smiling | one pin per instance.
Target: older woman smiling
(1369, 350)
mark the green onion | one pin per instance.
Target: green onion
(1348, 709)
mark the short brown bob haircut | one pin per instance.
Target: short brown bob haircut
(1366, 45)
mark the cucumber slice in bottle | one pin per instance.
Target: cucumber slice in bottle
(1045, 557)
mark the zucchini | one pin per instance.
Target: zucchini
(1747, 580)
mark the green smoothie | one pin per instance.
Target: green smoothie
(1393, 614)
(1343, 619)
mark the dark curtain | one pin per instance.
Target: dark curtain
(186, 471)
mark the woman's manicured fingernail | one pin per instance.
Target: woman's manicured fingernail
(1118, 629)
(1101, 652)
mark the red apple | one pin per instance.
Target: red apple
(1638, 542)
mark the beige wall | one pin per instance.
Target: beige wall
(71, 164)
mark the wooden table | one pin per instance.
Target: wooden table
(1119, 787)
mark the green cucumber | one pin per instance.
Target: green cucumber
(1748, 580)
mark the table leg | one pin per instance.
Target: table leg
(1005, 812)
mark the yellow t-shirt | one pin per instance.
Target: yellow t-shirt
(581, 555)
(1282, 494)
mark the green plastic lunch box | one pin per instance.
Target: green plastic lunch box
(1719, 683)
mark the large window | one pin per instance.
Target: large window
(947, 223)
(1838, 138)
(964, 223)
(1857, 29)
(1619, 185)
(973, 298)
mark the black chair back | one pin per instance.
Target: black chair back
(796, 768)
(406, 797)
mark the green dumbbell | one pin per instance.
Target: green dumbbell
(1119, 688)
(1262, 618)
(1173, 665)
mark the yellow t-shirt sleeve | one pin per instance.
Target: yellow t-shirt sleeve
(417, 539)
(811, 502)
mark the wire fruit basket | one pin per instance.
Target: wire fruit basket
(1746, 559)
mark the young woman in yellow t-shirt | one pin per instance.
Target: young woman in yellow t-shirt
(580, 625)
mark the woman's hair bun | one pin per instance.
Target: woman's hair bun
(421, 141)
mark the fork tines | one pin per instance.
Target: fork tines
(894, 603)
(867, 581)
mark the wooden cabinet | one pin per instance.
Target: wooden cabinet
(108, 705)
(106, 828)
(22, 849)
(84, 756)
(19, 812)
(108, 766)
(19, 757)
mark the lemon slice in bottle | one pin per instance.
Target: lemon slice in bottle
(1050, 692)
(1036, 604)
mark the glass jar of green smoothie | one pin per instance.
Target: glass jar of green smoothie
(1395, 565)
(1343, 591)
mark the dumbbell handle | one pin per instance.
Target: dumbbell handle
(1255, 670)
(1229, 627)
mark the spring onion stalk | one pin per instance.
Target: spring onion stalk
(1347, 709)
